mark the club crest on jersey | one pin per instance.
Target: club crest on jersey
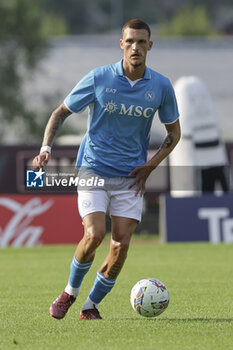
(149, 96)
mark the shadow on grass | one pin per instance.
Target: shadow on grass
(181, 320)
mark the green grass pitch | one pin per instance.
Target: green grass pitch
(200, 314)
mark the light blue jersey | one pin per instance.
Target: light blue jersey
(119, 117)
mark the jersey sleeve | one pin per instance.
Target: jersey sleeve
(82, 94)
(168, 111)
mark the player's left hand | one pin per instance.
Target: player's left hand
(41, 160)
(142, 172)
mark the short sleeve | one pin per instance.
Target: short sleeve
(82, 94)
(168, 111)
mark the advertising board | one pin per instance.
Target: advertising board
(28, 220)
(200, 218)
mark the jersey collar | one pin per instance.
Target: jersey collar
(120, 71)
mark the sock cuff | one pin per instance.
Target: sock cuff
(104, 280)
(77, 272)
(101, 288)
(81, 265)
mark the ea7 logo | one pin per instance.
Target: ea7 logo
(109, 90)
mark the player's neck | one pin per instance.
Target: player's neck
(133, 72)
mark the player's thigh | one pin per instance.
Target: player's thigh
(92, 205)
(95, 225)
(123, 228)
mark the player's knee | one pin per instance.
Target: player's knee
(120, 249)
(94, 236)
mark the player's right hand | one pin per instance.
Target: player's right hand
(41, 160)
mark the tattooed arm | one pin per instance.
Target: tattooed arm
(169, 143)
(54, 124)
(143, 171)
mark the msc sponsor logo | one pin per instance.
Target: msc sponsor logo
(136, 111)
(111, 107)
(132, 110)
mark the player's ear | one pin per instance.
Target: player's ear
(121, 44)
(150, 45)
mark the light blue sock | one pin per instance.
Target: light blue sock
(77, 272)
(102, 286)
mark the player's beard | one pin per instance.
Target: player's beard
(136, 65)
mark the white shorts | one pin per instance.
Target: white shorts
(114, 196)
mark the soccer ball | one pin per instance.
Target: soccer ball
(149, 297)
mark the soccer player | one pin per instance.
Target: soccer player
(122, 99)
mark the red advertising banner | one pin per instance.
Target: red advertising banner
(39, 219)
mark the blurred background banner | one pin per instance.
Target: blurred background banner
(46, 47)
(39, 219)
(206, 218)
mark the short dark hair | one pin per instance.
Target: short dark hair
(136, 24)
